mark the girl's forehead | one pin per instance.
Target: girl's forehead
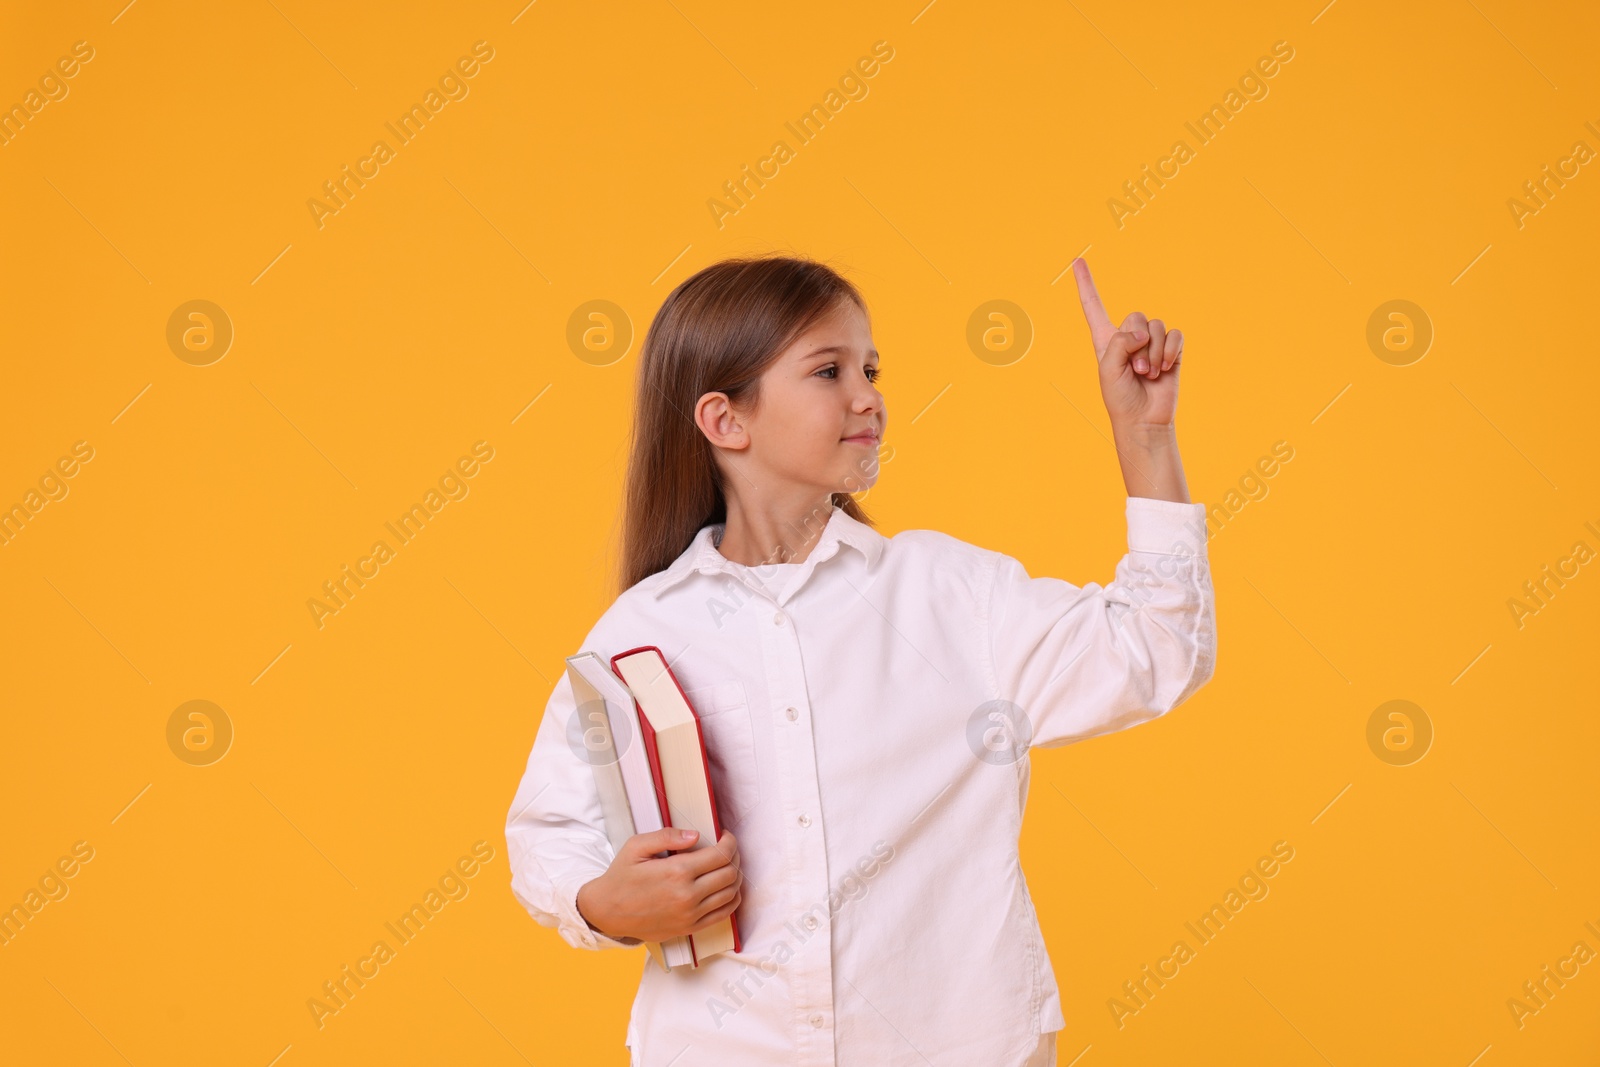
(844, 332)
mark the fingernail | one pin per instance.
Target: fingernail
(686, 835)
(1141, 366)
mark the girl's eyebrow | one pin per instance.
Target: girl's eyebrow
(830, 349)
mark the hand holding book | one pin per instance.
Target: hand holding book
(653, 898)
(653, 778)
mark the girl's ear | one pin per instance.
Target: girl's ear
(718, 421)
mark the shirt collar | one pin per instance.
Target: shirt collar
(703, 557)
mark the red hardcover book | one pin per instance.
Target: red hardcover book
(648, 735)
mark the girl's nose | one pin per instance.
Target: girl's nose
(867, 397)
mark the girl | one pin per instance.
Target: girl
(868, 703)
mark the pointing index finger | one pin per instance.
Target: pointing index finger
(1093, 310)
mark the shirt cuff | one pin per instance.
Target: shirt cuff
(1166, 527)
(572, 919)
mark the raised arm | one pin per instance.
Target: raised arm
(1089, 660)
(1080, 661)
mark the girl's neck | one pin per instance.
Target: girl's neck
(773, 532)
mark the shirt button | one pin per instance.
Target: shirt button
(805, 820)
(793, 714)
(811, 922)
(777, 619)
(816, 1020)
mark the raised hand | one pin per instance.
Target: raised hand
(1138, 361)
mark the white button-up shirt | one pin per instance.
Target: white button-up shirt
(868, 722)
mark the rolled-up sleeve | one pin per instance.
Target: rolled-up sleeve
(1084, 661)
(555, 833)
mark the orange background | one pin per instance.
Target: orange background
(432, 312)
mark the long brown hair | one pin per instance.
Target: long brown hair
(716, 332)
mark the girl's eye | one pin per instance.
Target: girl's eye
(873, 373)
